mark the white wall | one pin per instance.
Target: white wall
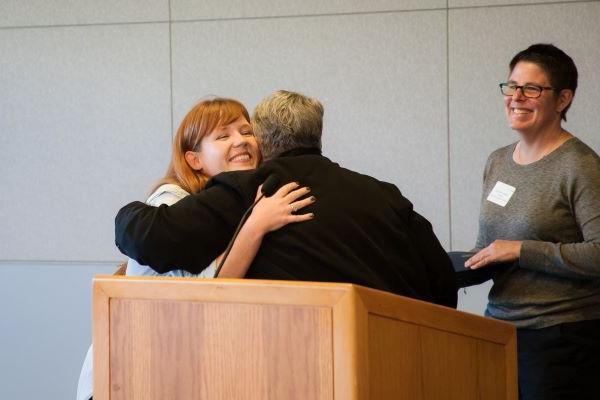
(90, 92)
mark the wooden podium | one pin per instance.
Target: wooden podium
(182, 338)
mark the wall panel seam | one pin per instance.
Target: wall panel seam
(91, 24)
(171, 20)
(285, 16)
(448, 149)
(539, 3)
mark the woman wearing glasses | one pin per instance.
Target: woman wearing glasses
(541, 209)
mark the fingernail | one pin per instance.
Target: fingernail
(311, 215)
(307, 189)
(313, 198)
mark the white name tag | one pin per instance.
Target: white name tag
(501, 193)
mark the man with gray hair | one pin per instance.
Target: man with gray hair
(364, 231)
(286, 121)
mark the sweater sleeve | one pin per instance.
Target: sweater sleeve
(580, 260)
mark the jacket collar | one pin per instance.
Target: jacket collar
(300, 151)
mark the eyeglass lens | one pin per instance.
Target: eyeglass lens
(527, 90)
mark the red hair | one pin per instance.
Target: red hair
(201, 120)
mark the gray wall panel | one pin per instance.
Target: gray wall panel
(85, 122)
(474, 299)
(208, 9)
(68, 12)
(385, 98)
(45, 328)
(478, 63)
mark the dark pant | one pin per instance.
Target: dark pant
(561, 362)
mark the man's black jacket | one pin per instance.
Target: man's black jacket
(364, 231)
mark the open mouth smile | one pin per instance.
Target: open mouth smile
(242, 157)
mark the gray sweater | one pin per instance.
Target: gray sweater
(555, 210)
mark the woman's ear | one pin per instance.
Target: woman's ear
(565, 97)
(193, 160)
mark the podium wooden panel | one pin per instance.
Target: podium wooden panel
(183, 338)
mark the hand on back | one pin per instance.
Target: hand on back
(498, 251)
(280, 209)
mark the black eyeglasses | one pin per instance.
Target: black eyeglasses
(531, 91)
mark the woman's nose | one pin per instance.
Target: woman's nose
(518, 94)
(239, 139)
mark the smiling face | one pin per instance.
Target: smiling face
(230, 147)
(530, 116)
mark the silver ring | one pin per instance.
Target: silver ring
(293, 207)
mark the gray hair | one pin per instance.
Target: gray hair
(285, 121)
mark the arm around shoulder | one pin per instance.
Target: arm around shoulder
(188, 235)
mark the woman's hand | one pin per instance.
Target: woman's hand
(271, 213)
(498, 251)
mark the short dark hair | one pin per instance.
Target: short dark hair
(559, 67)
